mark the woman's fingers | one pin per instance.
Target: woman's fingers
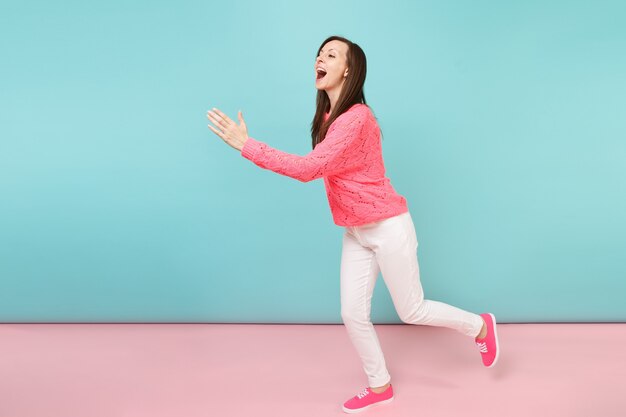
(222, 115)
(221, 118)
(217, 132)
(226, 129)
(216, 119)
(221, 134)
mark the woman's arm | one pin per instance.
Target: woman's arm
(338, 152)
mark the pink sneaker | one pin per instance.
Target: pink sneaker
(366, 399)
(488, 346)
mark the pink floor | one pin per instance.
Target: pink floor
(188, 370)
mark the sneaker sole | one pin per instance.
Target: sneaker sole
(495, 333)
(358, 410)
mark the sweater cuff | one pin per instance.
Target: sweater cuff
(250, 148)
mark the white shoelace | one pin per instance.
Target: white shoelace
(482, 346)
(362, 393)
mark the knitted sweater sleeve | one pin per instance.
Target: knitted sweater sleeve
(338, 152)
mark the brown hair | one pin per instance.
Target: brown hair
(351, 92)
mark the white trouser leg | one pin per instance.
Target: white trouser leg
(359, 271)
(389, 246)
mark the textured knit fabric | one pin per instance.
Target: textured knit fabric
(350, 161)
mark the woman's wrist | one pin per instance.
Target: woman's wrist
(243, 144)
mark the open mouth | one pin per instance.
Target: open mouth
(320, 74)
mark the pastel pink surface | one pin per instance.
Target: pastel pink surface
(305, 370)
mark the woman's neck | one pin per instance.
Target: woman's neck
(333, 96)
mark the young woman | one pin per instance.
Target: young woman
(379, 233)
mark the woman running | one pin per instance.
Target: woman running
(379, 235)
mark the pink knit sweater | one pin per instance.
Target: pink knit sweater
(350, 161)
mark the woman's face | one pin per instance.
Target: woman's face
(333, 58)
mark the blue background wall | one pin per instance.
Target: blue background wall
(503, 127)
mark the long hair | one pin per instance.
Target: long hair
(351, 92)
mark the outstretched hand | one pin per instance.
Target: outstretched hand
(233, 134)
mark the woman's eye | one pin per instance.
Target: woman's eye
(332, 56)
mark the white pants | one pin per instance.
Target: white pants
(389, 246)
